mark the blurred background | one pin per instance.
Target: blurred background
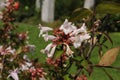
(56, 11)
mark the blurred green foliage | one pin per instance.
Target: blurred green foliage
(73, 10)
(26, 9)
(64, 8)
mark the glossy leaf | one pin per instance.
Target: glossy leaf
(109, 57)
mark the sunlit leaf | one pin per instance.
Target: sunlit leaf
(19, 50)
(66, 77)
(109, 57)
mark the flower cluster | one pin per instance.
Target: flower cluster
(68, 34)
(14, 62)
(5, 51)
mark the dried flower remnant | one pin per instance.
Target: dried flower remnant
(37, 73)
(82, 77)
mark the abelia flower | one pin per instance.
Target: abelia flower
(80, 30)
(77, 40)
(48, 37)
(69, 52)
(44, 29)
(14, 74)
(4, 51)
(49, 50)
(25, 66)
(67, 27)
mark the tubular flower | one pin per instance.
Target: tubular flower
(4, 51)
(49, 50)
(69, 52)
(67, 27)
(44, 29)
(48, 37)
(14, 74)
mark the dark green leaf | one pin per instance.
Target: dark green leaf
(107, 7)
(80, 13)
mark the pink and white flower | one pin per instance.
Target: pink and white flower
(14, 74)
(67, 27)
(69, 52)
(4, 51)
(48, 37)
(49, 50)
(44, 29)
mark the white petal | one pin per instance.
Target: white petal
(52, 51)
(23, 67)
(83, 28)
(48, 37)
(69, 52)
(76, 45)
(14, 74)
(47, 49)
(44, 29)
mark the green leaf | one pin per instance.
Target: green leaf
(78, 58)
(107, 7)
(85, 64)
(80, 13)
(66, 77)
(109, 76)
(109, 57)
(58, 53)
(73, 69)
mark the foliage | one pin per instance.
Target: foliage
(26, 9)
(71, 48)
(65, 6)
(13, 46)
